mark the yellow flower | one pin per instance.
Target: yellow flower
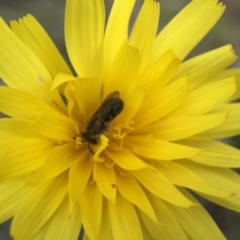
(72, 158)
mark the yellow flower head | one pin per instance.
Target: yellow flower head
(113, 148)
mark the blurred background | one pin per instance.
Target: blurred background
(50, 13)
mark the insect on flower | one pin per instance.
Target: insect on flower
(111, 107)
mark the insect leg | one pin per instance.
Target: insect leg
(89, 147)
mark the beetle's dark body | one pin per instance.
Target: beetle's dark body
(111, 107)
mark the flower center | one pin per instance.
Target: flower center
(97, 132)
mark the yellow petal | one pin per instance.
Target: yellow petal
(17, 160)
(187, 28)
(58, 160)
(116, 30)
(159, 149)
(132, 98)
(151, 230)
(214, 153)
(146, 233)
(160, 72)
(91, 212)
(105, 228)
(236, 95)
(126, 160)
(164, 215)
(124, 220)
(13, 128)
(66, 219)
(56, 126)
(32, 78)
(19, 104)
(84, 27)
(104, 177)
(60, 79)
(182, 127)
(226, 74)
(159, 185)
(123, 70)
(206, 98)
(160, 104)
(13, 192)
(88, 95)
(130, 189)
(36, 38)
(39, 207)
(74, 111)
(225, 179)
(196, 221)
(229, 128)
(231, 203)
(205, 66)
(58, 101)
(180, 175)
(144, 30)
(79, 175)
